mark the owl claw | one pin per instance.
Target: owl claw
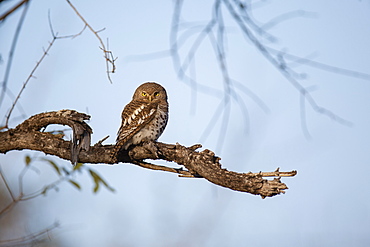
(152, 148)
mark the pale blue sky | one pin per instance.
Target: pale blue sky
(327, 202)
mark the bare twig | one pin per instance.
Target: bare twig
(276, 173)
(22, 196)
(108, 55)
(175, 46)
(10, 11)
(99, 143)
(322, 66)
(30, 239)
(180, 171)
(27, 80)
(31, 75)
(72, 36)
(12, 50)
(244, 12)
(281, 66)
(286, 17)
(6, 183)
(214, 30)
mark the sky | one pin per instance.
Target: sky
(327, 202)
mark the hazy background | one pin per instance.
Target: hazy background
(327, 203)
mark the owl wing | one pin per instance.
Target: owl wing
(135, 116)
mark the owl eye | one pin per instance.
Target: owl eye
(156, 94)
(143, 93)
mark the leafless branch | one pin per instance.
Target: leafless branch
(6, 184)
(203, 164)
(214, 32)
(322, 66)
(180, 171)
(31, 75)
(63, 175)
(108, 55)
(288, 16)
(30, 239)
(12, 49)
(23, 196)
(12, 10)
(281, 66)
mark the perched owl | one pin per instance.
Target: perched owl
(144, 118)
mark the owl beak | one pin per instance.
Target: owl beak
(150, 98)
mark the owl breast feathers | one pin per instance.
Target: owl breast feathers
(144, 118)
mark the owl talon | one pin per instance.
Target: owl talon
(151, 148)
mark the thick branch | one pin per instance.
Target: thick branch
(204, 164)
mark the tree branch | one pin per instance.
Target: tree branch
(12, 10)
(202, 164)
(108, 55)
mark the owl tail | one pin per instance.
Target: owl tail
(115, 152)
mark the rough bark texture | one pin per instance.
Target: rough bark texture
(205, 164)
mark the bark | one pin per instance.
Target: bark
(201, 164)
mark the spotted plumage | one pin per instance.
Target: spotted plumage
(144, 118)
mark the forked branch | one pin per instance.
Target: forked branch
(108, 55)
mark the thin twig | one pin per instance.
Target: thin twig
(286, 17)
(218, 46)
(243, 10)
(12, 50)
(180, 171)
(6, 184)
(282, 67)
(175, 47)
(72, 36)
(31, 75)
(28, 79)
(217, 43)
(185, 173)
(6, 209)
(99, 143)
(108, 55)
(276, 173)
(253, 32)
(10, 11)
(322, 66)
(30, 238)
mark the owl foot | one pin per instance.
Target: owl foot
(151, 148)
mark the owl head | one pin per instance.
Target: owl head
(150, 92)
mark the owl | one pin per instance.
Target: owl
(144, 118)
